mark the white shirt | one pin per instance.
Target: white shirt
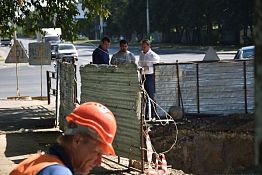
(146, 60)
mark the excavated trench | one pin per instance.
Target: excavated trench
(208, 144)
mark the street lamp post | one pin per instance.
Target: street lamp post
(101, 24)
(147, 20)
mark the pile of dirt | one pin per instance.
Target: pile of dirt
(231, 123)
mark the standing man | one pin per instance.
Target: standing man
(90, 131)
(146, 60)
(123, 56)
(101, 54)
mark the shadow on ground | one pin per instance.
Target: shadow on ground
(20, 123)
(21, 144)
(31, 117)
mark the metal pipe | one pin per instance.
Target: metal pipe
(180, 99)
(147, 21)
(178, 86)
(56, 95)
(245, 84)
(197, 86)
(48, 87)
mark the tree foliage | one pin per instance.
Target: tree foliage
(179, 21)
(194, 21)
(127, 17)
(33, 15)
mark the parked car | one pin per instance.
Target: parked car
(6, 42)
(54, 47)
(67, 52)
(247, 52)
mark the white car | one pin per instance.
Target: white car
(67, 52)
(243, 53)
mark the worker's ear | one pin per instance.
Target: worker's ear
(77, 139)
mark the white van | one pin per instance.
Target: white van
(5, 42)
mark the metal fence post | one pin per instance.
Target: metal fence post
(48, 87)
(197, 86)
(245, 84)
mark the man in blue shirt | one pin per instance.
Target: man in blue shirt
(101, 54)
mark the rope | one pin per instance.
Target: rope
(168, 117)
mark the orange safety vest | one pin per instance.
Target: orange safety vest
(35, 164)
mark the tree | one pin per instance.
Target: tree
(128, 17)
(202, 21)
(33, 15)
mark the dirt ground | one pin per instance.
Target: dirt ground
(230, 123)
(27, 127)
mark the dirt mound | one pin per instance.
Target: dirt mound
(232, 123)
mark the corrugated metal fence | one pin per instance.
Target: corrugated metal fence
(206, 87)
(117, 88)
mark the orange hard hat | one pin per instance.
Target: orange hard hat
(95, 118)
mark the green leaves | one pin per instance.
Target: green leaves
(33, 15)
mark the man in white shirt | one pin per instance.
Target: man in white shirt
(146, 60)
(123, 56)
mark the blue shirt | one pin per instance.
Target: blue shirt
(66, 169)
(100, 56)
(55, 170)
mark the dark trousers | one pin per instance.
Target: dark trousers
(149, 85)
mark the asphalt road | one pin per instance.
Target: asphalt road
(29, 77)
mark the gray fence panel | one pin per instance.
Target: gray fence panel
(221, 88)
(118, 88)
(250, 75)
(188, 86)
(206, 87)
(167, 88)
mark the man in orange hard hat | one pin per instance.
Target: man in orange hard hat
(90, 131)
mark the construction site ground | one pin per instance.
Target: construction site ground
(27, 127)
